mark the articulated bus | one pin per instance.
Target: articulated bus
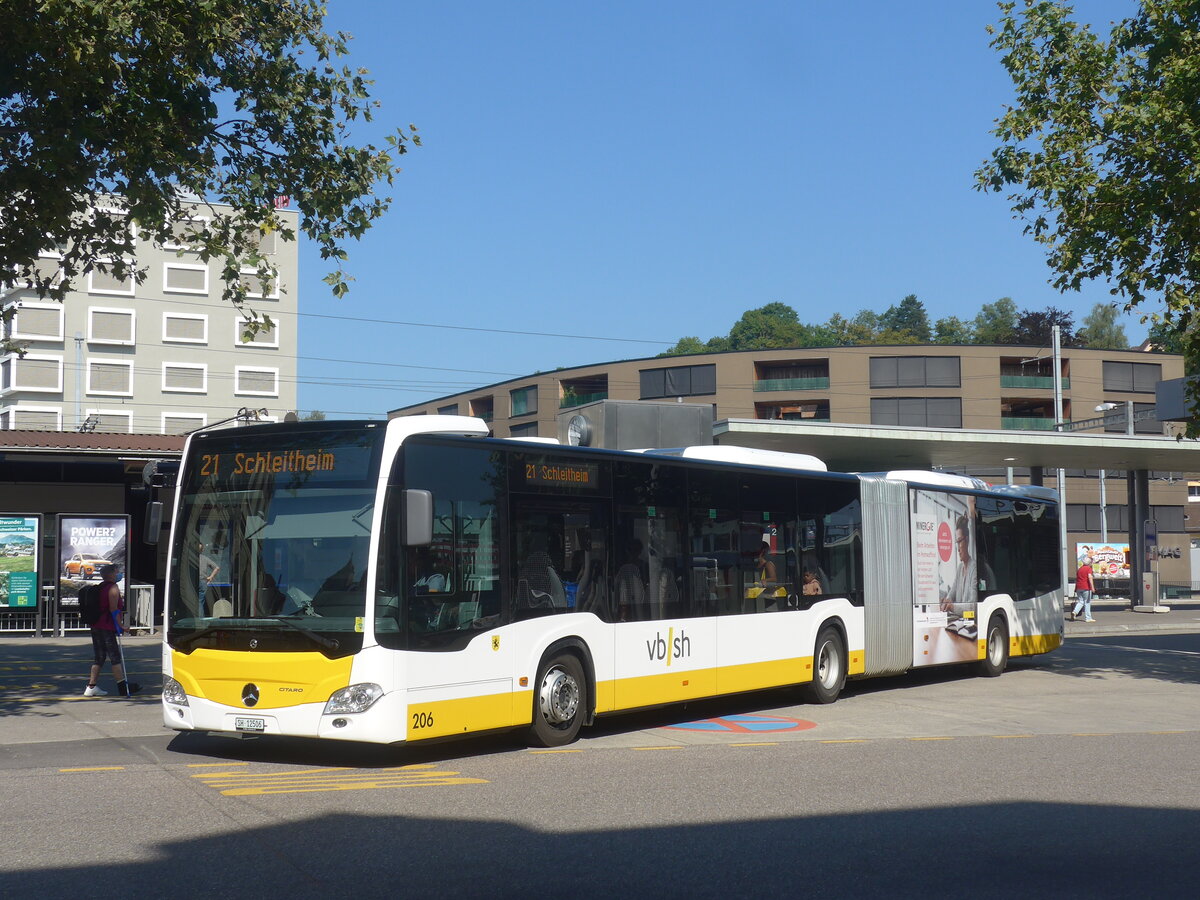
(415, 579)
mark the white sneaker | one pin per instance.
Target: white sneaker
(94, 690)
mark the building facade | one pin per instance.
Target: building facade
(988, 387)
(162, 357)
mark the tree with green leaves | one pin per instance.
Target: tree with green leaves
(127, 112)
(953, 330)
(1101, 331)
(768, 327)
(908, 317)
(996, 323)
(1100, 149)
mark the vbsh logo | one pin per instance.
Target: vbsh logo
(671, 647)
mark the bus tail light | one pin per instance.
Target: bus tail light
(353, 699)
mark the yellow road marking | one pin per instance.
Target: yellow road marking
(308, 781)
(1006, 737)
(214, 765)
(96, 769)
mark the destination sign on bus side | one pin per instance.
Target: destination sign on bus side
(267, 462)
(546, 474)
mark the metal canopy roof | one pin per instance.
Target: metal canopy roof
(875, 448)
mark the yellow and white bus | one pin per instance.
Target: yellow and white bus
(415, 579)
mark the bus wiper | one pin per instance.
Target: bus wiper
(319, 639)
(184, 642)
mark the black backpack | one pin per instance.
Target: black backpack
(89, 604)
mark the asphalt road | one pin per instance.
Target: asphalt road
(1074, 774)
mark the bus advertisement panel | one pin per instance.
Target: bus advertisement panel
(945, 584)
(20, 549)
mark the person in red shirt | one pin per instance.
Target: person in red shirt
(104, 637)
(1085, 583)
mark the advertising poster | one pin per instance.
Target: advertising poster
(20, 548)
(1108, 560)
(85, 543)
(945, 580)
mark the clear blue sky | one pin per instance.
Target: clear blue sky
(648, 170)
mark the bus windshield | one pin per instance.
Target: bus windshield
(272, 539)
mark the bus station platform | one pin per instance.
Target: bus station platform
(1116, 617)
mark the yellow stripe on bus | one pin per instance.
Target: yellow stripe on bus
(1032, 644)
(282, 679)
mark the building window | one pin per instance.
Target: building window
(254, 286)
(108, 283)
(925, 412)
(528, 429)
(914, 371)
(185, 278)
(255, 382)
(182, 422)
(266, 338)
(33, 418)
(1134, 377)
(184, 378)
(111, 421)
(183, 230)
(678, 381)
(112, 326)
(185, 328)
(524, 401)
(37, 322)
(1114, 420)
(451, 410)
(110, 378)
(33, 372)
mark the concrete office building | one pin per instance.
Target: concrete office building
(972, 387)
(161, 357)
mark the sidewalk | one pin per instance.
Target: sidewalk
(1115, 617)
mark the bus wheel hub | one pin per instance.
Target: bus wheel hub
(559, 697)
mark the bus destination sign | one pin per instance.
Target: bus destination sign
(266, 462)
(560, 474)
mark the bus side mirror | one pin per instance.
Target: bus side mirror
(154, 517)
(416, 518)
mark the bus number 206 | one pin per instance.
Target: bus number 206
(422, 720)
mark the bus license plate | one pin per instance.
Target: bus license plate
(242, 723)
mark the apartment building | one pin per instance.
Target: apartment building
(162, 357)
(994, 387)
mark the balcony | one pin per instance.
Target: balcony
(1028, 423)
(793, 384)
(1040, 382)
(580, 399)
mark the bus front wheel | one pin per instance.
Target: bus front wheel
(995, 651)
(559, 702)
(829, 666)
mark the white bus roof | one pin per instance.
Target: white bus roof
(749, 456)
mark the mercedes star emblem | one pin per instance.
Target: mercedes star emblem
(250, 694)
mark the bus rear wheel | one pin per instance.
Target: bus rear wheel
(995, 651)
(829, 667)
(559, 702)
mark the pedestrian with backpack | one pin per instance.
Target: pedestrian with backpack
(110, 606)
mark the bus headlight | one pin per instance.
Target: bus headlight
(353, 699)
(173, 692)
